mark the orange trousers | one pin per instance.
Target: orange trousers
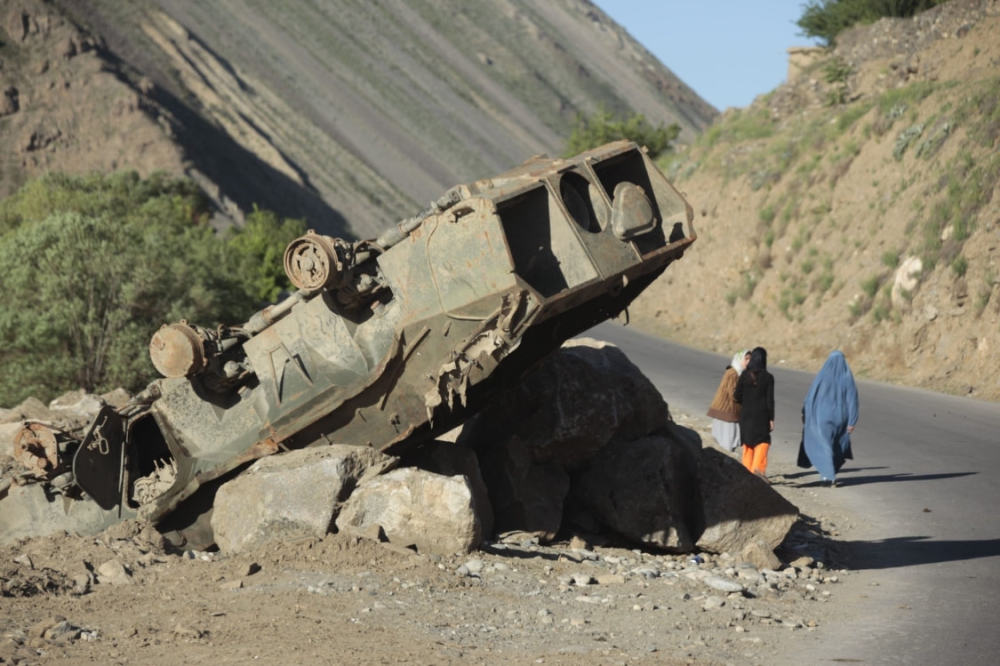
(755, 458)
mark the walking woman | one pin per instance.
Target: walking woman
(724, 410)
(755, 393)
(829, 414)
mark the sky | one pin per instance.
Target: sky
(728, 51)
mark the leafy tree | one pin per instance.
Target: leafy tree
(603, 126)
(122, 195)
(825, 19)
(93, 265)
(257, 252)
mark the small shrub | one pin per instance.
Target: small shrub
(846, 119)
(766, 214)
(825, 19)
(960, 265)
(836, 72)
(881, 311)
(858, 307)
(905, 138)
(870, 285)
(929, 146)
(823, 282)
(890, 258)
(595, 130)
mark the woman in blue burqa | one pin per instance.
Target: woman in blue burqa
(829, 414)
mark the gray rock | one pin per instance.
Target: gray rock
(78, 403)
(740, 511)
(31, 409)
(61, 632)
(575, 422)
(30, 511)
(646, 572)
(713, 603)
(475, 566)
(531, 435)
(290, 495)
(722, 584)
(81, 584)
(760, 554)
(435, 513)
(527, 496)
(7, 432)
(449, 459)
(113, 572)
(644, 490)
(472, 568)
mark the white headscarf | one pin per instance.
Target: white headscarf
(737, 362)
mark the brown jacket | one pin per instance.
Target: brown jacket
(724, 407)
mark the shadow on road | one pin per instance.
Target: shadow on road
(880, 478)
(911, 550)
(799, 475)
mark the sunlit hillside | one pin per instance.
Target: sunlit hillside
(855, 207)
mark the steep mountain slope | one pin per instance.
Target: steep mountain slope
(857, 206)
(351, 114)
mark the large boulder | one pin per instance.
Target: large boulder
(645, 490)
(290, 495)
(414, 507)
(77, 406)
(533, 435)
(32, 510)
(743, 515)
(448, 458)
(571, 404)
(526, 495)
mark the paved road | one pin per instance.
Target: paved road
(926, 479)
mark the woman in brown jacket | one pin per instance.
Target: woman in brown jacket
(724, 410)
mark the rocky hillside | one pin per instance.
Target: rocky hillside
(350, 114)
(855, 207)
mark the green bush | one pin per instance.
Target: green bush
(600, 128)
(825, 19)
(94, 265)
(870, 285)
(766, 215)
(257, 253)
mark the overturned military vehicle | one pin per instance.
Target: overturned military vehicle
(386, 343)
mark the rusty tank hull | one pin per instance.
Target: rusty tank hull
(392, 341)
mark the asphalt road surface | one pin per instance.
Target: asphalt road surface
(925, 482)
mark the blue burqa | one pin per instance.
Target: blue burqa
(830, 406)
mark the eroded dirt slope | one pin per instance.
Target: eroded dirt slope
(350, 114)
(857, 207)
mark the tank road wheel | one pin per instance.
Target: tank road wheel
(311, 262)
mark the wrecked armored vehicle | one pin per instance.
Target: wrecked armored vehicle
(386, 343)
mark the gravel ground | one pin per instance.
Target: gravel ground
(120, 598)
